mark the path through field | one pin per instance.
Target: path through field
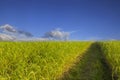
(91, 66)
(60, 60)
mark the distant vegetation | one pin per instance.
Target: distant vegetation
(60, 60)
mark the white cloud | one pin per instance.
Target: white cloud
(57, 34)
(5, 37)
(8, 29)
(8, 32)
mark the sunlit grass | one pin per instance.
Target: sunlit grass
(38, 60)
(60, 60)
(111, 51)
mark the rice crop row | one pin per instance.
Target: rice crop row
(38, 60)
(111, 51)
(90, 66)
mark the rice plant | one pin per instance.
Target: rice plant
(38, 60)
(111, 51)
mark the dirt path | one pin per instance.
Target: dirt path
(90, 67)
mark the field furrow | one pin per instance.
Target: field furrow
(60, 60)
(90, 67)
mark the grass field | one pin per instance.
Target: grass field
(60, 60)
(38, 60)
(111, 52)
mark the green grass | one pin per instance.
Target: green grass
(89, 67)
(60, 60)
(38, 60)
(111, 51)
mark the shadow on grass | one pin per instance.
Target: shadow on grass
(91, 66)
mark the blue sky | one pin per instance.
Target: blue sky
(92, 19)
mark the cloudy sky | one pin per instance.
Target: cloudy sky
(88, 19)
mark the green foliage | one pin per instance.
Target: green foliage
(111, 51)
(60, 60)
(89, 67)
(38, 60)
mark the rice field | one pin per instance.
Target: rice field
(65, 60)
(38, 60)
(111, 52)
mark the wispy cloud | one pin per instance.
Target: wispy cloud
(8, 32)
(57, 34)
(8, 29)
(5, 37)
